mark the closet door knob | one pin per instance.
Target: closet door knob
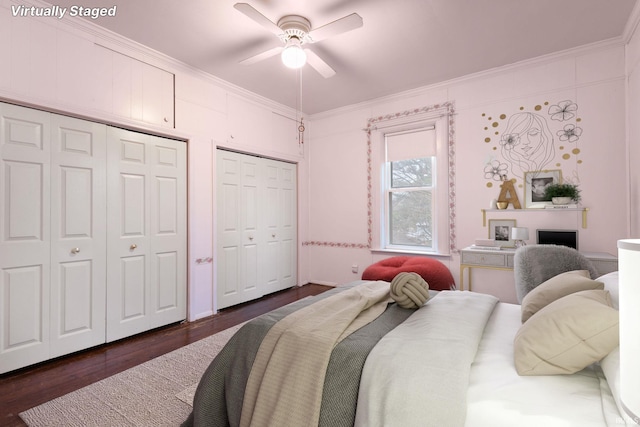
(273, 235)
(132, 247)
(75, 250)
(251, 238)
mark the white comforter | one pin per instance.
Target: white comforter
(399, 386)
(417, 375)
(499, 397)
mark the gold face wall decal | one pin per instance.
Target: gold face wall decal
(525, 141)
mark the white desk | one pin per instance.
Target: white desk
(503, 260)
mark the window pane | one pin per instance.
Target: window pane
(411, 221)
(412, 173)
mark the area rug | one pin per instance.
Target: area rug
(156, 393)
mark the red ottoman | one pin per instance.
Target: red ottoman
(434, 272)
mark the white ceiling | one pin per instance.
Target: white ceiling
(403, 44)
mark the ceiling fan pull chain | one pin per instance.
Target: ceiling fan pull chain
(301, 125)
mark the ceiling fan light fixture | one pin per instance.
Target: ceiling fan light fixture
(293, 56)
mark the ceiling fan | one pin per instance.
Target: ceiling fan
(295, 31)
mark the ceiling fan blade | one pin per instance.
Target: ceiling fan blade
(342, 25)
(250, 12)
(261, 56)
(319, 65)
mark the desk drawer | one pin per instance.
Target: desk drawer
(483, 258)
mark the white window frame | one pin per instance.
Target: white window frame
(442, 243)
(389, 190)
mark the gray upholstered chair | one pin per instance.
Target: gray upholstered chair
(535, 264)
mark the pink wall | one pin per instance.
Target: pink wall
(592, 79)
(633, 126)
(52, 66)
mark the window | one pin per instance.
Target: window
(412, 197)
(409, 188)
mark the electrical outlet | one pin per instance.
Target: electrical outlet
(354, 268)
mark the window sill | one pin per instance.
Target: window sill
(408, 252)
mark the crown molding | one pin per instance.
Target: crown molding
(539, 60)
(632, 23)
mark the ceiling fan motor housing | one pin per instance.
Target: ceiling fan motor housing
(295, 30)
(295, 26)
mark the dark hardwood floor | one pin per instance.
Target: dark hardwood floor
(32, 386)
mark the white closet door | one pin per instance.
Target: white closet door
(146, 244)
(256, 231)
(280, 224)
(238, 233)
(78, 235)
(24, 236)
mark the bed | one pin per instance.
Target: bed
(449, 362)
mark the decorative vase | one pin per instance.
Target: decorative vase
(561, 200)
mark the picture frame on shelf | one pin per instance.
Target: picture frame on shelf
(535, 182)
(500, 231)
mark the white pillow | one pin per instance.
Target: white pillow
(611, 367)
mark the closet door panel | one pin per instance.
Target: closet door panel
(229, 235)
(24, 288)
(168, 295)
(166, 257)
(24, 299)
(256, 231)
(271, 227)
(74, 299)
(168, 231)
(24, 196)
(133, 303)
(250, 236)
(249, 270)
(280, 203)
(127, 210)
(78, 218)
(238, 235)
(288, 226)
(133, 219)
(228, 268)
(76, 194)
(24, 236)
(167, 189)
(147, 207)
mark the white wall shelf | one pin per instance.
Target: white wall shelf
(555, 210)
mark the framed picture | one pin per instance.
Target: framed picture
(535, 182)
(500, 231)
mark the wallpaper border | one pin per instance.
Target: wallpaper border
(372, 123)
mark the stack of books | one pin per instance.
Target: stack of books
(486, 244)
(486, 248)
(569, 206)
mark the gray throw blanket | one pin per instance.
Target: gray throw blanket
(286, 383)
(218, 399)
